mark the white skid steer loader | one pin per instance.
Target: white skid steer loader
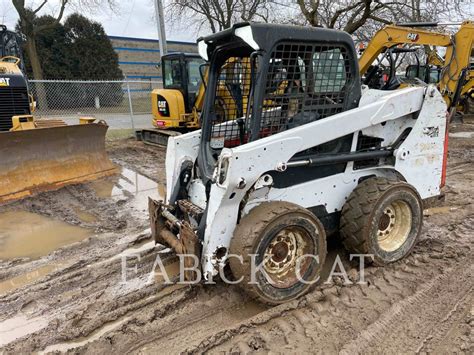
(313, 155)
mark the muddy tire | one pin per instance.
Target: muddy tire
(383, 218)
(278, 234)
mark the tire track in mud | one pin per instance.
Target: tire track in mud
(324, 320)
(78, 300)
(166, 300)
(398, 330)
(210, 309)
(449, 329)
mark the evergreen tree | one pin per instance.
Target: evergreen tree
(77, 50)
(52, 51)
(93, 55)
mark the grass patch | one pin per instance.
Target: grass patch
(113, 134)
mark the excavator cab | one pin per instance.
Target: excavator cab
(181, 71)
(453, 72)
(427, 73)
(173, 106)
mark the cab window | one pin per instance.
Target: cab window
(172, 73)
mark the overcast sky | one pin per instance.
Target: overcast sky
(132, 18)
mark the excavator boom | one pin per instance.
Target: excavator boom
(456, 81)
(393, 35)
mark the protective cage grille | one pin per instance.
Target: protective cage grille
(232, 94)
(304, 83)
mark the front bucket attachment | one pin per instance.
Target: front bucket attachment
(44, 159)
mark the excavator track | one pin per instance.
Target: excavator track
(156, 137)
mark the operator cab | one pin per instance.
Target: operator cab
(383, 75)
(428, 74)
(274, 78)
(10, 50)
(181, 71)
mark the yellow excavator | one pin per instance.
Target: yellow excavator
(39, 155)
(454, 73)
(177, 107)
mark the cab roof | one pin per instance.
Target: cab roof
(264, 36)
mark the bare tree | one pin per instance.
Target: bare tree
(348, 15)
(218, 15)
(365, 15)
(359, 17)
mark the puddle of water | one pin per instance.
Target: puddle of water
(104, 188)
(64, 347)
(462, 135)
(28, 278)
(29, 235)
(18, 327)
(130, 183)
(85, 216)
(438, 210)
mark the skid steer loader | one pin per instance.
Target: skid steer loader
(321, 156)
(40, 155)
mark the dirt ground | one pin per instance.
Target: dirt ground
(73, 298)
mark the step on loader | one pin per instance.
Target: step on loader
(319, 156)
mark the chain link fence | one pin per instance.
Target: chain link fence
(122, 104)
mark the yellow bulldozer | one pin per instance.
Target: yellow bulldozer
(39, 154)
(453, 72)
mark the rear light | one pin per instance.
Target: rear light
(445, 153)
(161, 123)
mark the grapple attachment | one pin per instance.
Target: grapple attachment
(177, 234)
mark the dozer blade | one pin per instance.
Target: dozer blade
(42, 159)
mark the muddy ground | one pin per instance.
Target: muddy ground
(72, 297)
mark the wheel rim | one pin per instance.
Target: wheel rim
(394, 226)
(282, 254)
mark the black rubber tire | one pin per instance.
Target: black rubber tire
(363, 210)
(255, 232)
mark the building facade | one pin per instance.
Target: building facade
(139, 58)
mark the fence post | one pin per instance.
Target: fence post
(131, 106)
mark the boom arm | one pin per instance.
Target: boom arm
(391, 35)
(457, 60)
